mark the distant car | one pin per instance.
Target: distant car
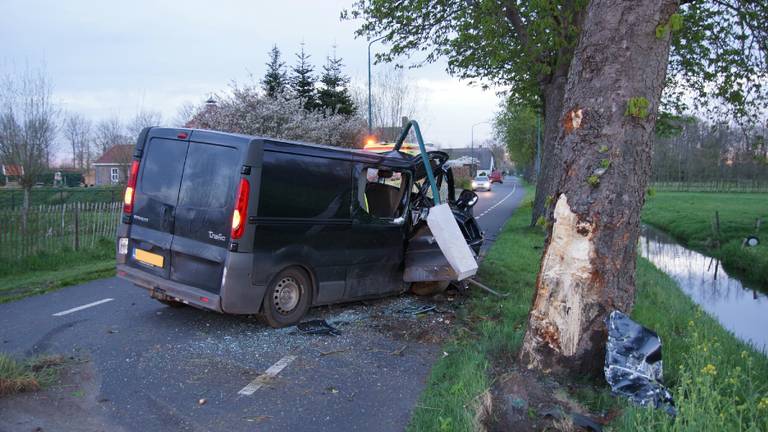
(481, 182)
(496, 177)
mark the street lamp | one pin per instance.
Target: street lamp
(370, 109)
(473, 139)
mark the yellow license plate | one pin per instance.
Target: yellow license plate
(148, 257)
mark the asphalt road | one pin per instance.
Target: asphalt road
(142, 366)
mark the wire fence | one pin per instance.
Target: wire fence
(55, 228)
(742, 186)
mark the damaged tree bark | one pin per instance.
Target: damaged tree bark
(609, 112)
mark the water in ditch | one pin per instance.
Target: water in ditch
(740, 309)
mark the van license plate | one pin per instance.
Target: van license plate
(148, 257)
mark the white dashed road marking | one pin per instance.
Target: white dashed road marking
(85, 306)
(267, 375)
(497, 204)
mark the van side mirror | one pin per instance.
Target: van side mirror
(467, 199)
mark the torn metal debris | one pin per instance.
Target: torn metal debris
(633, 366)
(317, 327)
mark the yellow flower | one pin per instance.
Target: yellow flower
(763, 404)
(709, 369)
(690, 323)
(744, 354)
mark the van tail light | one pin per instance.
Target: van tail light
(130, 188)
(241, 209)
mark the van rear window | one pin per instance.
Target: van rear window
(161, 169)
(209, 177)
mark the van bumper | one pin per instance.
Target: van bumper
(164, 289)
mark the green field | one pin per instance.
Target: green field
(719, 383)
(690, 216)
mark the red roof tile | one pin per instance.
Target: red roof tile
(117, 154)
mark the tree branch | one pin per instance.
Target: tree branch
(513, 16)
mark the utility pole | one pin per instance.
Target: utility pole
(370, 109)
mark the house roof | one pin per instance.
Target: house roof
(120, 154)
(13, 170)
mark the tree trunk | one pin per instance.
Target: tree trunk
(605, 139)
(553, 93)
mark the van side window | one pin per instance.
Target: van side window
(161, 169)
(209, 176)
(381, 192)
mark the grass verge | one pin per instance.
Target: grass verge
(50, 271)
(689, 216)
(719, 383)
(17, 377)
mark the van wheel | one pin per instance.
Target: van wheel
(429, 288)
(288, 298)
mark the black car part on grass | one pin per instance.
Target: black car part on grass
(633, 366)
(317, 327)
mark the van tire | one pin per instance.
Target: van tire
(429, 288)
(281, 307)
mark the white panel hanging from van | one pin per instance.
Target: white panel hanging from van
(446, 231)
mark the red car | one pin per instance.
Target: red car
(496, 177)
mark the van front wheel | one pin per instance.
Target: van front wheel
(288, 298)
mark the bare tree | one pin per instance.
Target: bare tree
(392, 98)
(141, 120)
(185, 114)
(77, 132)
(27, 127)
(109, 132)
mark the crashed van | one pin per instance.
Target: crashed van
(250, 225)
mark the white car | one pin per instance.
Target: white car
(481, 182)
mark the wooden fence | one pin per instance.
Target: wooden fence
(53, 228)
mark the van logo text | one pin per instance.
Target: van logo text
(141, 218)
(216, 236)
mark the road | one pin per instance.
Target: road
(140, 365)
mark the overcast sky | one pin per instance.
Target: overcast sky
(115, 58)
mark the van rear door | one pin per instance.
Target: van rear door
(203, 215)
(155, 202)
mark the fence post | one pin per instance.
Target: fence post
(77, 226)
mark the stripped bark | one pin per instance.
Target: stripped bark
(588, 267)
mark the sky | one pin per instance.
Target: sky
(108, 58)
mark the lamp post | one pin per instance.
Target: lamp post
(370, 109)
(473, 140)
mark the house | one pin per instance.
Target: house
(11, 174)
(113, 166)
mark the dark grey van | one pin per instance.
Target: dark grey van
(248, 225)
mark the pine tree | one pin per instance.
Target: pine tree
(275, 81)
(334, 94)
(302, 81)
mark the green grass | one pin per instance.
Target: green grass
(31, 375)
(492, 329)
(689, 216)
(50, 271)
(491, 332)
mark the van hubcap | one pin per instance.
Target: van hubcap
(287, 293)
